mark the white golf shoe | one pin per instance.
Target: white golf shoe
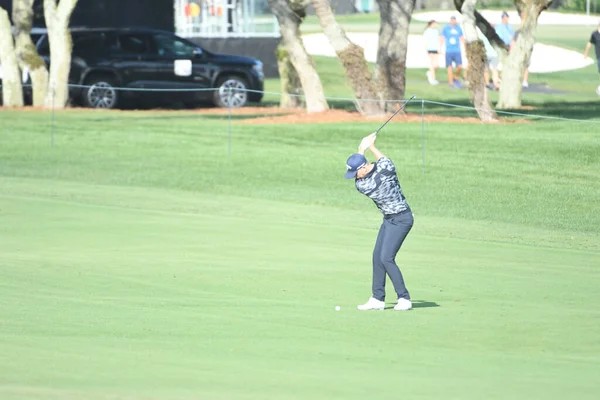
(372, 304)
(403, 305)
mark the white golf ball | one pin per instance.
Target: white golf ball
(337, 308)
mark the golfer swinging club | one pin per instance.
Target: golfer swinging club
(379, 182)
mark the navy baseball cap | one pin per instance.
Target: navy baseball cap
(504, 14)
(355, 161)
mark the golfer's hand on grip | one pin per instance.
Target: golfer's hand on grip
(367, 142)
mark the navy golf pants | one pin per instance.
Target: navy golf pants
(392, 233)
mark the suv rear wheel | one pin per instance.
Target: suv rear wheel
(232, 92)
(100, 92)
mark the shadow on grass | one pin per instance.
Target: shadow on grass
(424, 304)
(418, 304)
(583, 110)
(569, 109)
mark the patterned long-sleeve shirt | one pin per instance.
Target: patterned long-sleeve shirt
(381, 185)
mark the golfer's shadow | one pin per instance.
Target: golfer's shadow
(417, 304)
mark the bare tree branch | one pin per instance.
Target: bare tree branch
(486, 28)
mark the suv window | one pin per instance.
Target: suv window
(92, 44)
(172, 46)
(134, 44)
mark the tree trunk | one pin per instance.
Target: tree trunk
(477, 64)
(353, 60)
(291, 87)
(514, 67)
(12, 89)
(475, 75)
(29, 59)
(289, 23)
(57, 21)
(390, 71)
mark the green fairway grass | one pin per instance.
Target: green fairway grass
(139, 261)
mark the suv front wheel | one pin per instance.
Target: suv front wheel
(232, 92)
(100, 92)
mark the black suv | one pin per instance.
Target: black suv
(106, 59)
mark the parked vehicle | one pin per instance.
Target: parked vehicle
(106, 60)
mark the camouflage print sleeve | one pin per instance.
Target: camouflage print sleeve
(386, 164)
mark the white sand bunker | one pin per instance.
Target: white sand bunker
(545, 58)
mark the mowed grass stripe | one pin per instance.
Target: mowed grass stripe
(488, 317)
(532, 174)
(187, 203)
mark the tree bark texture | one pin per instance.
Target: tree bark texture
(390, 71)
(514, 64)
(475, 76)
(477, 64)
(289, 26)
(57, 18)
(12, 88)
(28, 57)
(353, 59)
(291, 87)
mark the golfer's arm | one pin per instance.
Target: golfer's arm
(376, 152)
(587, 49)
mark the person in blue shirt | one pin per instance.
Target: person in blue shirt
(452, 35)
(506, 33)
(505, 30)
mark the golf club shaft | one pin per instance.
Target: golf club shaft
(394, 114)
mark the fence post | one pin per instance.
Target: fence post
(229, 139)
(53, 89)
(423, 136)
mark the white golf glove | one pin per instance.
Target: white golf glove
(367, 141)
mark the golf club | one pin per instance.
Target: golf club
(394, 114)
